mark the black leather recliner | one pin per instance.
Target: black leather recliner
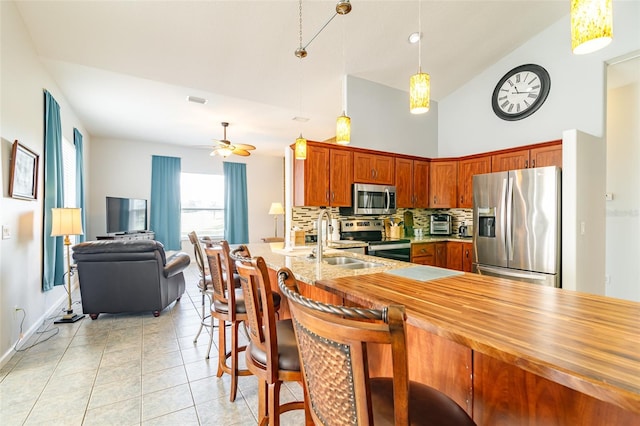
(128, 276)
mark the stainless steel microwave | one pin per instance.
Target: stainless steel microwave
(369, 199)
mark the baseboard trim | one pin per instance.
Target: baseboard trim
(36, 325)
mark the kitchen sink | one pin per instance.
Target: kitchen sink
(351, 262)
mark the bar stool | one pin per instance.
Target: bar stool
(272, 355)
(333, 350)
(228, 307)
(205, 288)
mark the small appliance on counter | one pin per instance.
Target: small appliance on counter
(465, 231)
(440, 224)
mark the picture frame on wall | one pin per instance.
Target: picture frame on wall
(23, 183)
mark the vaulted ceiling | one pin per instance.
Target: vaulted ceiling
(127, 67)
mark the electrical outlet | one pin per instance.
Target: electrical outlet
(6, 232)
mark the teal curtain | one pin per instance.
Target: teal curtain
(165, 201)
(236, 222)
(77, 141)
(52, 247)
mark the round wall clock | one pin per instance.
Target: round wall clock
(520, 92)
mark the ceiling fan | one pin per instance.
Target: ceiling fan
(225, 148)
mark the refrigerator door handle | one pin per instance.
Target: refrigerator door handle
(509, 233)
(510, 273)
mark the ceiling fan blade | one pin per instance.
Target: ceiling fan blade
(246, 147)
(241, 152)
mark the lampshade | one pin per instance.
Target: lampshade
(591, 25)
(276, 208)
(419, 92)
(66, 221)
(343, 129)
(301, 148)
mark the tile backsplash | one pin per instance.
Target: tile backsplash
(305, 217)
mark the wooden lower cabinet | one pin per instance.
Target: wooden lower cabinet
(467, 257)
(454, 255)
(446, 254)
(423, 253)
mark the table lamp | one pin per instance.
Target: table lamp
(65, 222)
(276, 209)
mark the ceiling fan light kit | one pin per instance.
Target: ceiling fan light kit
(591, 25)
(225, 148)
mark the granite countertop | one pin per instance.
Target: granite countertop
(309, 271)
(439, 238)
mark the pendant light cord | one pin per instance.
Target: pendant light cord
(419, 36)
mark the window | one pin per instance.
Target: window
(69, 178)
(202, 199)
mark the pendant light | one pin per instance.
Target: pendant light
(343, 124)
(300, 151)
(419, 84)
(591, 25)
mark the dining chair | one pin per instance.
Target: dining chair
(272, 354)
(333, 350)
(228, 306)
(205, 288)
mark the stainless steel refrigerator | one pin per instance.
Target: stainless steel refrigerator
(516, 232)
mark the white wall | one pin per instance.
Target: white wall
(23, 79)
(583, 220)
(123, 169)
(380, 120)
(623, 181)
(468, 125)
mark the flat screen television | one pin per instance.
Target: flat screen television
(126, 215)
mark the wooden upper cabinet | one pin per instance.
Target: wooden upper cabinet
(546, 156)
(511, 160)
(421, 184)
(550, 154)
(373, 168)
(324, 178)
(404, 183)
(466, 170)
(311, 178)
(340, 177)
(412, 183)
(443, 184)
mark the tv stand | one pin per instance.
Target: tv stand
(140, 235)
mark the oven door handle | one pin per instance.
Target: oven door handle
(398, 246)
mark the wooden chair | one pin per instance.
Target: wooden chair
(228, 306)
(205, 287)
(333, 350)
(272, 355)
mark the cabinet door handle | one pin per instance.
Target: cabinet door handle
(466, 253)
(327, 196)
(461, 199)
(333, 196)
(533, 163)
(526, 164)
(373, 173)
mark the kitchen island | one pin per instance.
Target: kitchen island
(507, 352)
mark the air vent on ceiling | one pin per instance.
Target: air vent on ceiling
(197, 100)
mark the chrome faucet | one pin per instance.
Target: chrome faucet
(323, 212)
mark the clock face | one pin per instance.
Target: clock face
(521, 92)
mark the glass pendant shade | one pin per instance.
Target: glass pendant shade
(343, 129)
(591, 25)
(419, 92)
(301, 148)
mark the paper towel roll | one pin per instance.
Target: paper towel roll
(335, 225)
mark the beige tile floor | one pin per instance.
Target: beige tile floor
(128, 369)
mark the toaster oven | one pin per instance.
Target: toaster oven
(440, 224)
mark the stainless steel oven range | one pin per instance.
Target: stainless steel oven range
(371, 231)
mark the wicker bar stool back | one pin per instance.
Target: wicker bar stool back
(228, 307)
(272, 354)
(333, 349)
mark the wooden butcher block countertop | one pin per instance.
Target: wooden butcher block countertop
(585, 342)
